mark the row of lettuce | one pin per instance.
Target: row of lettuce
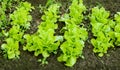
(106, 31)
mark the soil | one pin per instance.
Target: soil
(27, 61)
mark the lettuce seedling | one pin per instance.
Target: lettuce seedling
(76, 10)
(20, 22)
(43, 41)
(11, 48)
(3, 17)
(5, 5)
(101, 44)
(102, 29)
(73, 46)
(74, 35)
(75, 15)
(117, 29)
(22, 15)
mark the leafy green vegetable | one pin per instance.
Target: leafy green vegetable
(76, 10)
(20, 22)
(102, 29)
(106, 32)
(11, 49)
(3, 17)
(22, 15)
(16, 33)
(5, 5)
(75, 15)
(49, 2)
(5, 9)
(43, 41)
(74, 35)
(101, 44)
(117, 29)
(73, 46)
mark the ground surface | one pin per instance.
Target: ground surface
(28, 61)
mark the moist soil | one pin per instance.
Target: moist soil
(27, 61)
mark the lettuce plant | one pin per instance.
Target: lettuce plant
(74, 35)
(11, 49)
(5, 5)
(43, 41)
(117, 29)
(22, 15)
(3, 17)
(76, 10)
(73, 46)
(20, 21)
(75, 15)
(102, 29)
(5, 9)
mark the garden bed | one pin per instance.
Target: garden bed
(27, 61)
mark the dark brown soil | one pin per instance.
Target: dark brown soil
(28, 61)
